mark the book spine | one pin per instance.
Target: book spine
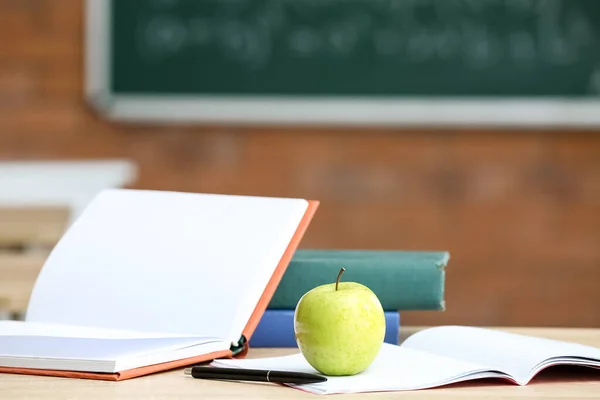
(276, 329)
(402, 280)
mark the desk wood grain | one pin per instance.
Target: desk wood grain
(174, 385)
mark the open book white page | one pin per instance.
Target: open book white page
(22, 328)
(64, 347)
(394, 368)
(153, 261)
(520, 356)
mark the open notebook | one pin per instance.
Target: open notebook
(145, 281)
(439, 356)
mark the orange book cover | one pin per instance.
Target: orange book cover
(248, 330)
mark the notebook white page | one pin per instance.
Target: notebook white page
(438, 356)
(189, 264)
(517, 355)
(395, 368)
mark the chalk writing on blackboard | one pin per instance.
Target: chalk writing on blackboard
(403, 31)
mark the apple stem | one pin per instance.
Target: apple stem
(337, 281)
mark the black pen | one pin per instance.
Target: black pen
(255, 375)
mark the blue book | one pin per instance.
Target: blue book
(276, 329)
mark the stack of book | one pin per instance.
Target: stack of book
(402, 280)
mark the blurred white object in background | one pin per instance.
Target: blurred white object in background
(70, 184)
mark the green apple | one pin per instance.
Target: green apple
(339, 327)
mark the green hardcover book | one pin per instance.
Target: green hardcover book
(402, 280)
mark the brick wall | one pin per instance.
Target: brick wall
(519, 210)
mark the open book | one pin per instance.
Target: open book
(439, 356)
(145, 281)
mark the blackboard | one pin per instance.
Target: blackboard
(370, 61)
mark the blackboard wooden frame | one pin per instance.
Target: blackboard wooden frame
(276, 110)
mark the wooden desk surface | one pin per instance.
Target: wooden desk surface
(174, 385)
